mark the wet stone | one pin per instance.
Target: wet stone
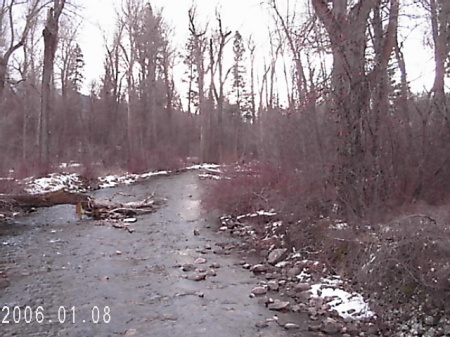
(215, 265)
(300, 287)
(200, 260)
(259, 268)
(291, 326)
(211, 272)
(273, 285)
(293, 272)
(259, 291)
(277, 255)
(279, 305)
(270, 276)
(197, 277)
(330, 326)
(299, 307)
(188, 267)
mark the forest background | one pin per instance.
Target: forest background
(323, 107)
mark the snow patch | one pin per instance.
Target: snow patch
(54, 182)
(203, 166)
(258, 213)
(347, 305)
(112, 180)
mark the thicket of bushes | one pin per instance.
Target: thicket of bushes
(398, 250)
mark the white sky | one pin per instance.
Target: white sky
(247, 16)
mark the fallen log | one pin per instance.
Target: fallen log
(29, 201)
(109, 209)
(92, 207)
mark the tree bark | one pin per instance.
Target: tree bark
(50, 34)
(346, 29)
(440, 22)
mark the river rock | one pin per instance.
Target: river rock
(188, 267)
(200, 260)
(211, 272)
(430, 333)
(197, 277)
(279, 305)
(258, 291)
(297, 307)
(277, 255)
(330, 326)
(300, 287)
(273, 285)
(294, 271)
(259, 268)
(291, 326)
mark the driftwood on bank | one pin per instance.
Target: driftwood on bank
(109, 209)
(95, 208)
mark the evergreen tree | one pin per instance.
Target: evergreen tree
(76, 69)
(239, 90)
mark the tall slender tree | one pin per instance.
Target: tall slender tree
(50, 34)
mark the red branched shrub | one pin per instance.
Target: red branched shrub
(241, 190)
(257, 186)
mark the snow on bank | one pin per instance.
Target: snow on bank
(211, 171)
(126, 179)
(257, 213)
(53, 182)
(347, 305)
(73, 182)
(210, 167)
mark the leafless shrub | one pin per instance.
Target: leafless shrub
(409, 264)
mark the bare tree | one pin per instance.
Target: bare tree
(13, 40)
(440, 24)
(199, 45)
(295, 43)
(50, 34)
(252, 48)
(352, 84)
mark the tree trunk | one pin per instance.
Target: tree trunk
(440, 22)
(3, 71)
(50, 34)
(346, 29)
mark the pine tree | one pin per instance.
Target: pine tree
(239, 88)
(76, 69)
